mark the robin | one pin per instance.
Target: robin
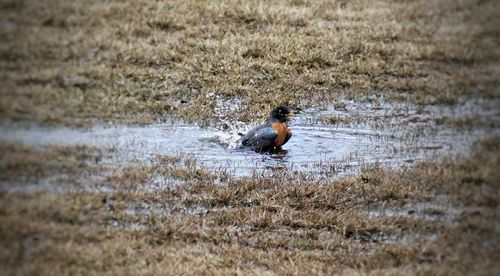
(271, 135)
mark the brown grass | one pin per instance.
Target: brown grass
(80, 62)
(284, 225)
(21, 164)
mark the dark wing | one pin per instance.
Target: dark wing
(245, 141)
(246, 138)
(260, 137)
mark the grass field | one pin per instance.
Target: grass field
(84, 63)
(79, 62)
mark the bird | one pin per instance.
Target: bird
(271, 135)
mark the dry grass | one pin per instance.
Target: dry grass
(67, 166)
(285, 225)
(86, 62)
(80, 62)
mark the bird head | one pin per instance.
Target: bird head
(280, 113)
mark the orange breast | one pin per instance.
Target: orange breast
(282, 130)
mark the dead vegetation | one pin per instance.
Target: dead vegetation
(80, 63)
(69, 165)
(76, 63)
(287, 224)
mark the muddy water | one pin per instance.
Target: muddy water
(335, 141)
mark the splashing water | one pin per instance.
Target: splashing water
(389, 134)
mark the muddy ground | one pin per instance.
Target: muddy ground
(119, 122)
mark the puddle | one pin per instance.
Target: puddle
(395, 135)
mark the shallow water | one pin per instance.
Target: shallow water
(395, 135)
